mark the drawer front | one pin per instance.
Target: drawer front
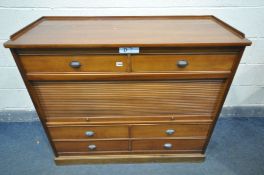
(88, 63)
(170, 130)
(91, 146)
(88, 132)
(129, 98)
(151, 63)
(168, 144)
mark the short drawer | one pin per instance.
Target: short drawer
(80, 63)
(88, 132)
(152, 63)
(170, 130)
(91, 146)
(168, 144)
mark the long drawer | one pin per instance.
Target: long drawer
(91, 146)
(88, 132)
(168, 144)
(170, 130)
(152, 63)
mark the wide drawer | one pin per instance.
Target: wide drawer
(88, 132)
(87, 63)
(168, 144)
(91, 146)
(149, 63)
(170, 130)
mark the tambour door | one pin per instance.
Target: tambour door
(129, 98)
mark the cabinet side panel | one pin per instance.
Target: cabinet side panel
(222, 98)
(33, 96)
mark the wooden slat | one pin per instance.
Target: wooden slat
(39, 76)
(128, 119)
(142, 158)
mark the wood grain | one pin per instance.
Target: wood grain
(148, 98)
(36, 76)
(129, 119)
(78, 132)
(177, 144)
(80, 32)
(142, 158)
(89, 63)
(154, 63)
(131, 152)
(82, 146)
(181, 130)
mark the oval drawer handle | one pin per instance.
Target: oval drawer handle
(170, 131)
(89, 133)
(75, 64)
(167, 145)
(92, 147)
(182, 63)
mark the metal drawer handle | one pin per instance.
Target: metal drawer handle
(89, 133)
(170, 131)
(75, 64)
(182, 63)
(92, 147)
(167, 145)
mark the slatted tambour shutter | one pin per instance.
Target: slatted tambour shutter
(148, 98)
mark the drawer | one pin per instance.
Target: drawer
(91, 146)
(168, 144)
(88, 132)
(88, 63)
(170, 130)
(150, 63)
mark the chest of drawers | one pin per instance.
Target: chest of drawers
(128, 89)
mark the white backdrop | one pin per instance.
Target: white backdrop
(247, 16)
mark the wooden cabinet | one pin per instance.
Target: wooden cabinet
(128, 89)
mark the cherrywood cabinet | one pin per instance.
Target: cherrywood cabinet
(128, 89)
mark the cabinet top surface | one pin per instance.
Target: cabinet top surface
(155, 31)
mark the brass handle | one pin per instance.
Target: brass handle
(167, 145)
(75, 64)
(89, 133)
(92, 147)
(182, 63)
(170, 131)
